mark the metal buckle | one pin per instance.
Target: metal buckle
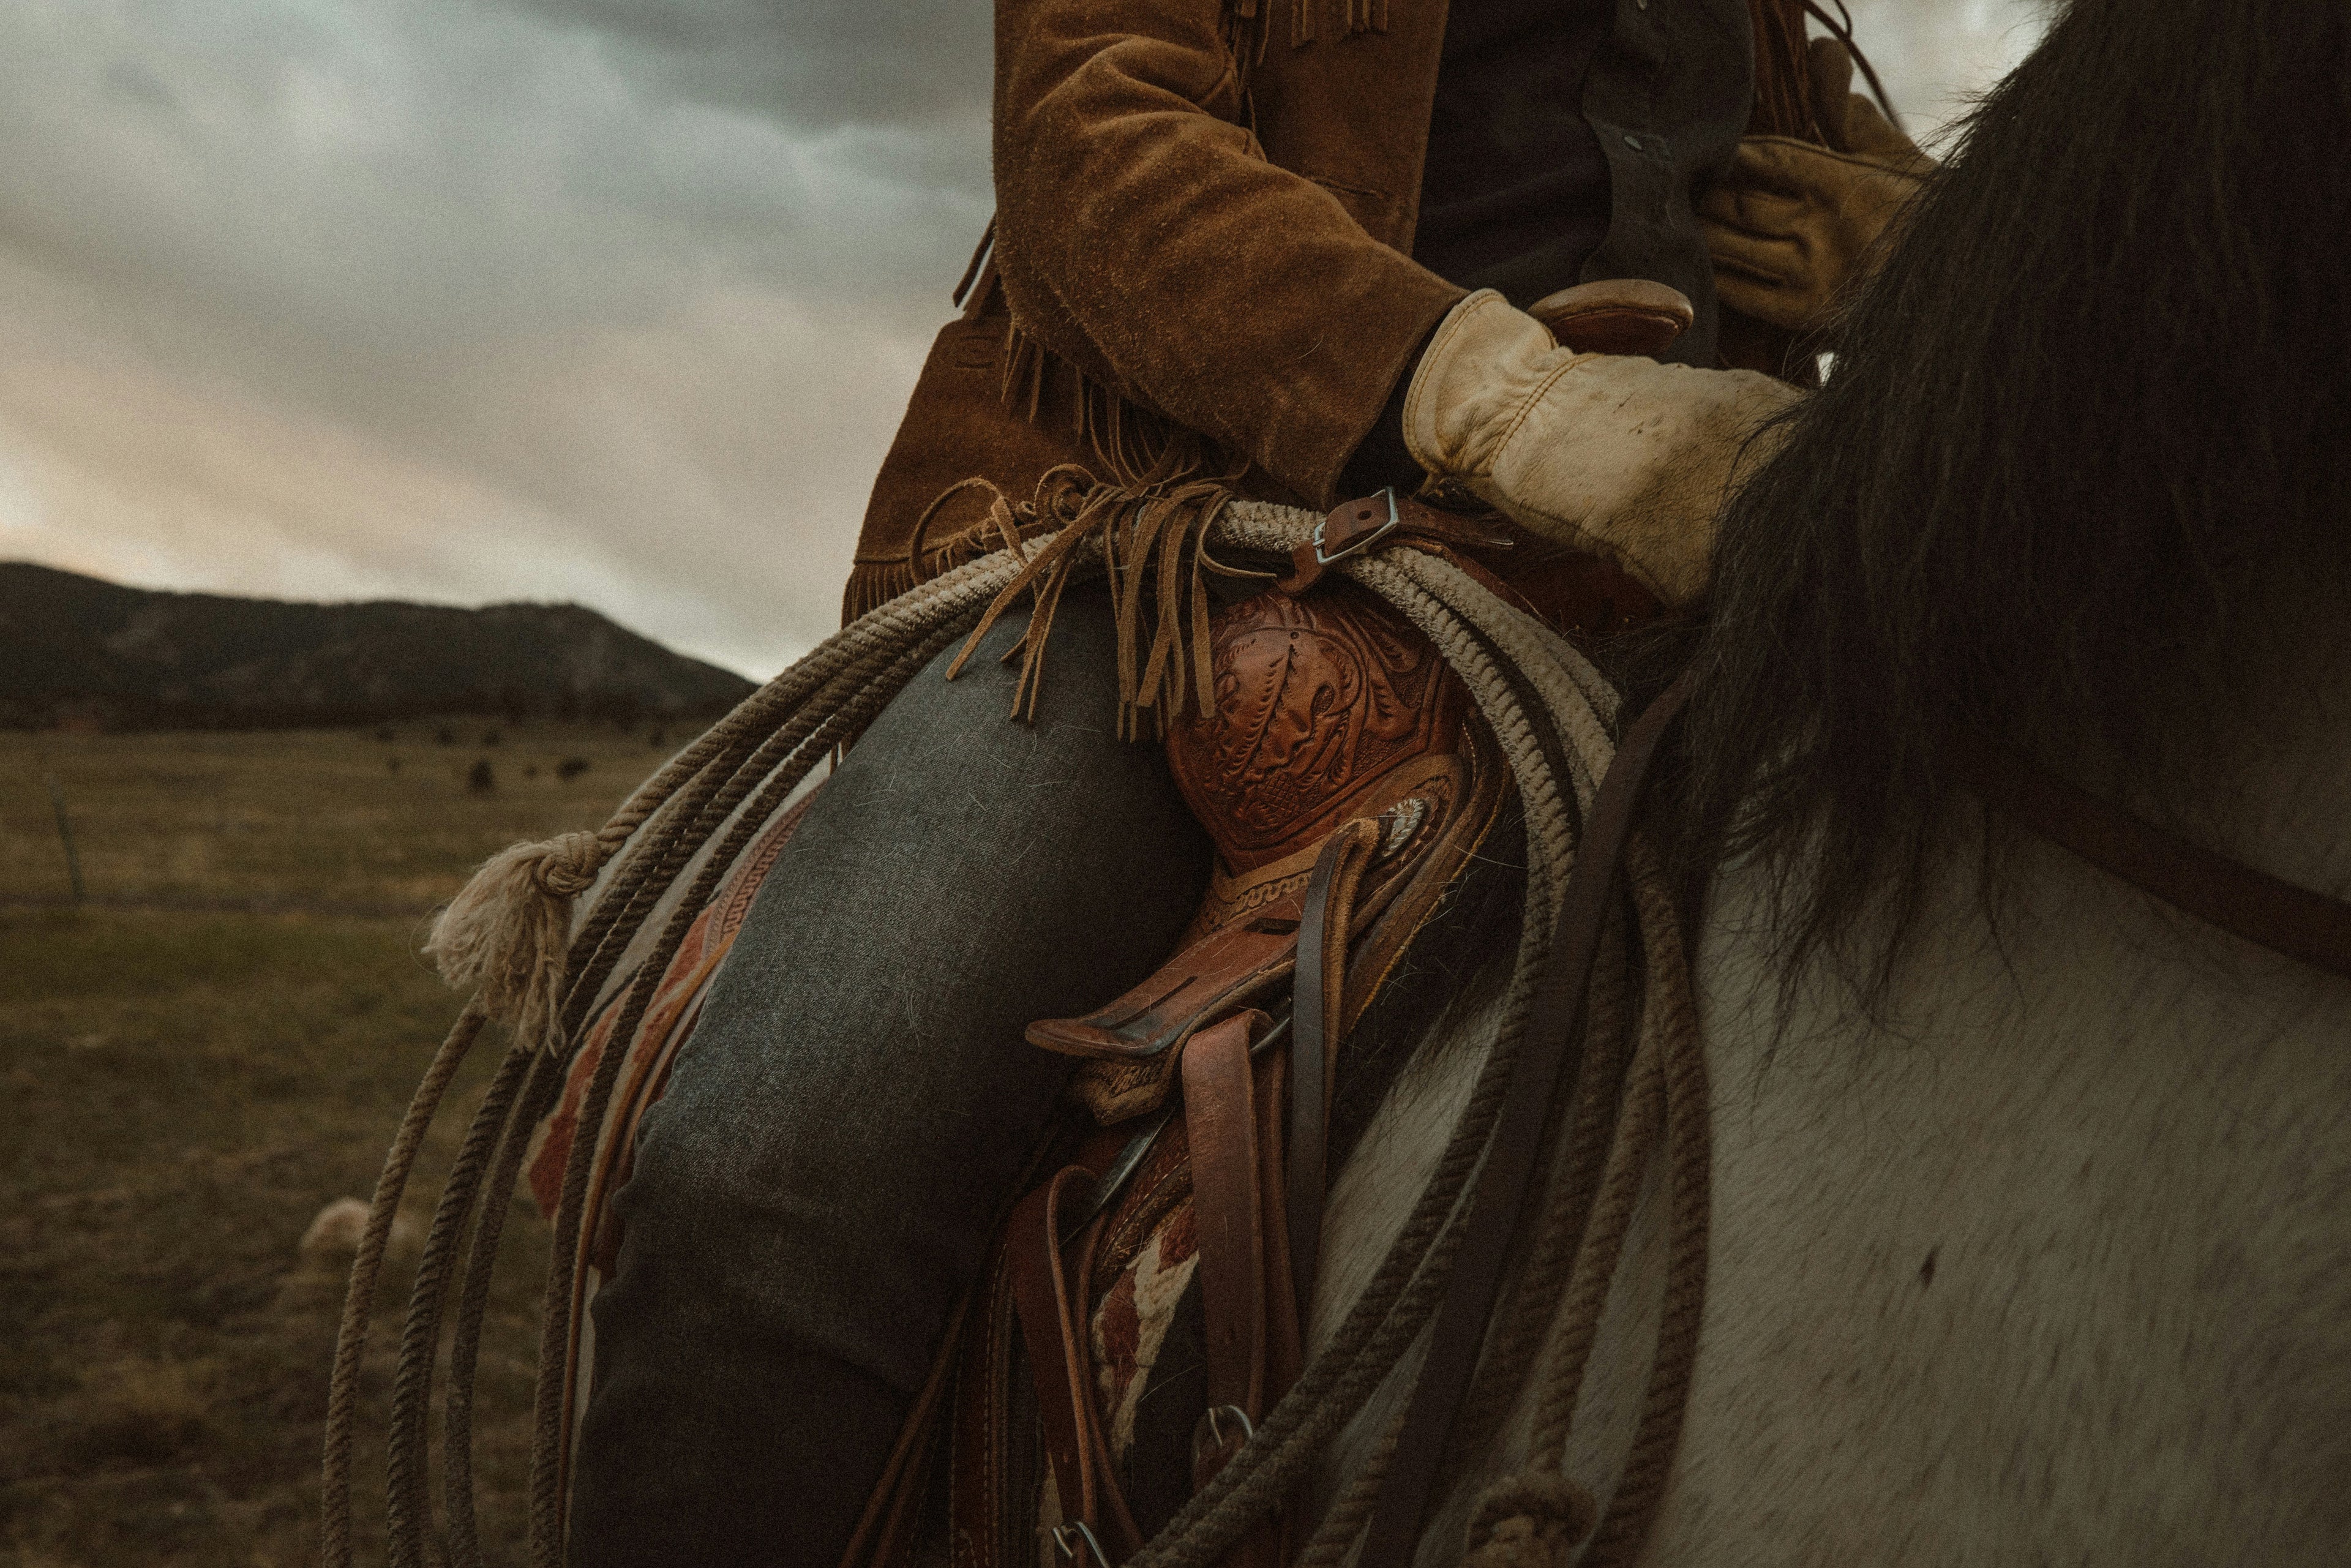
(1209, 1433)
(1394, 521)
(1210, 1419)
(1081, 1530)
(1215, 1430)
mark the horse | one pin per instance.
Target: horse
(2028, 1240)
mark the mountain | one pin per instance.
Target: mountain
(77, 650)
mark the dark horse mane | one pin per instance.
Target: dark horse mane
(2080, 469)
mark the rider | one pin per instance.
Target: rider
(1234, 237)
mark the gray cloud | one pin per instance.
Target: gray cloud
(817, 64)
(1935, 55)
(608, 300)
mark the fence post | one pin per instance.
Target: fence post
(65, 833)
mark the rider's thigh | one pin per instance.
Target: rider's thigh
(813, 1189)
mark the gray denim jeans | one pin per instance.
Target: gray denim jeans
(813, 1190)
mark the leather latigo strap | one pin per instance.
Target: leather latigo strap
(1233, 1108)
(1232, 1118)
(1584, 597)
(1228, 1214)
(1249, 1186)
(1387, 518)
(992, 1483)
(1053, 1310)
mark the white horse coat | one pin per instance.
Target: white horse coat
(2050, 1261)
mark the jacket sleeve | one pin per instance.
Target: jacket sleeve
(1143, 235)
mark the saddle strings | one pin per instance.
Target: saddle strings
(1548, 708)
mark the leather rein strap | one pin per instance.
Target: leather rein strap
(1319, 992)
(2260, 908)
(1554, 1024)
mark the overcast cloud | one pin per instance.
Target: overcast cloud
(608, 301)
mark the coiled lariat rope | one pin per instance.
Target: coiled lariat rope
(775, 738)
(540, 970)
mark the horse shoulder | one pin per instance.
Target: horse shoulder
(2048, 1259)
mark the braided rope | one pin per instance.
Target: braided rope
(1603, 1245)
(408, 1507)
(1550, 713)
(1689, 1158)
(367, 1271)
(1533, 1515)
(1526, 1323)
(538, 1097)
(1352, 1510)
(783, 730)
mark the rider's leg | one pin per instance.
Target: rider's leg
(812, 1190)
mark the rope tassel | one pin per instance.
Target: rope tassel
(505, 934)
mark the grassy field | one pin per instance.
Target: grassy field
(214, 1045)
(367, 822)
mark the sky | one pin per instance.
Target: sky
(468, 301)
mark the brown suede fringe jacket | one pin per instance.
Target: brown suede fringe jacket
(1200, 263)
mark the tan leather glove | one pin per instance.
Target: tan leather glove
(1612, 453)
(1792, 224)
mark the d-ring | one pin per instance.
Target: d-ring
(1080, 1529)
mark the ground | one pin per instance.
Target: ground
(213, 1045)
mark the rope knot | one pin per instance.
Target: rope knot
(505, 934)
(1531, 1519)
(568, 862)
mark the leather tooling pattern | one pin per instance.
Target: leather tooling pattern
(1317, 699)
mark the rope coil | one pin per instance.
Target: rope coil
(541, 968)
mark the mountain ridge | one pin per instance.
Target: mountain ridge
(81, 651)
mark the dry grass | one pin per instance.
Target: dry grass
(304, 819)
(187, 1087)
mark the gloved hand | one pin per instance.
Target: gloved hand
(1614, 454)
(1792, 224)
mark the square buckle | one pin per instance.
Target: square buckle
(1324, 554)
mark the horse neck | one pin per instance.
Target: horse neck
(2080, 1135)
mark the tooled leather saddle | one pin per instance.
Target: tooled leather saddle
(1345, 783)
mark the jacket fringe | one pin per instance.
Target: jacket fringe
(1127, 443)
(1155, 553)
(873, 584)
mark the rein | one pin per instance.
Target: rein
(2255, 906)
(1498, 1218)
